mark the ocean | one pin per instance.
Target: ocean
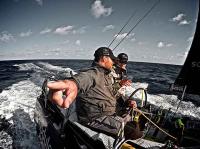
(21, 81)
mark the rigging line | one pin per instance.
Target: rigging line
(137, 110)
(123, 28)
(156, 3)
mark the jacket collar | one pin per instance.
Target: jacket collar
(102, 69)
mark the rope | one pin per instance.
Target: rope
(137, 110)
(156, 3)
(122, 28)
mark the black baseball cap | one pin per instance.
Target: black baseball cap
(104, 51)
(123, 58)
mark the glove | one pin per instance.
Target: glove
(125, 82)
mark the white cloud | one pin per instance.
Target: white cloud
(99, 10)
(155, 57)
(40, 2)
(108, 27)
(25, 34)
(133, 39)
(120, 36)
(169, 44)
(81, 30)
(190, 39)
(141, 43)
(179, 17)
(78, 42)
(63, 30)
(45, 31)
(6, 37)
(185, 54)
(125, 35)
(182, 55)
(184, 22)
(160, 45)
(54, 50)
(130, 36)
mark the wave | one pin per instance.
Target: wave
(186, 108)
(28, 66)
(48, 66)
(17, 102)
(46, 70)
(17, 105)
(172, 101)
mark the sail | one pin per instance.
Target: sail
(189, 76)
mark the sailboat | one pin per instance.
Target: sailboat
(56, 128)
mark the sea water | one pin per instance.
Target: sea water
(21, 81)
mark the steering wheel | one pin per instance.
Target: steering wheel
(143, 98)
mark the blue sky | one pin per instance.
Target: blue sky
(73, 29)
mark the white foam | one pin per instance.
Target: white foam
(166, 101)
(171, 101)
(126, 92)
(55, 68)
(28, 66)
(18, 107)
(44, 68)
(5, 140)
(21, 95)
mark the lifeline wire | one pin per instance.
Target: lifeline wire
(156, 3)
(122, 28)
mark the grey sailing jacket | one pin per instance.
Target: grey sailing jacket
(95, 98)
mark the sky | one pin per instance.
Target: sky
(74, 29)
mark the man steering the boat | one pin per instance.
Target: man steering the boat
(93, 91)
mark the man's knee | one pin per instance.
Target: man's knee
(132, 131)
